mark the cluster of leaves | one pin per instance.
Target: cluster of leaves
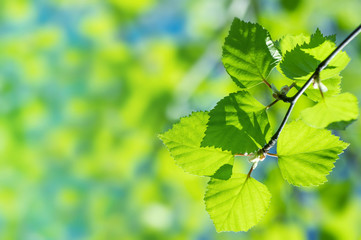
(205, 143)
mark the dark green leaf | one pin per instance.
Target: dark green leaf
(249, 53)
(238, 123)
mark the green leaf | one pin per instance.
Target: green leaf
(224, 172)
(332, 84)
(289, 42)
(301, 56)
(184, 143)
(341, 125)
(238, 123)
(236, 204)
(321, 52)
(298, 65)
(249, 53)
(340, 108)
(306, 155)
(318, 38)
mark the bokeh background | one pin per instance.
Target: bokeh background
(86, 86)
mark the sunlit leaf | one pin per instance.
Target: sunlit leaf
(183, 142)
(289, 42)
(301, 56)
(340, 108)
(333, 88)
(236, 204)
(321, 52)
(306, 155)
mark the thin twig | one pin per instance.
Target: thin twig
(292, 85)
(240, 154)
(272, 154)
(340, 47)
(272, 103)
(250, 171)
(315, 75)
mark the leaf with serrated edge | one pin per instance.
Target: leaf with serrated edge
(302, 56)
(289, 42)
(342, 107)
(306, 155)
(224, 172)
(183, 142)
(336, 65)
(238, 123)
(249, 53)
(300, 62)
(236, 204)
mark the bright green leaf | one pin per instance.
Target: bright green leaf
(321, 52)
(289, 42)
(236, 204)
(249, 53)
(238, 123)
(332, 84)
(340, 108)
(306, 155)
(300, 62)
(184, 140)
(302, 55)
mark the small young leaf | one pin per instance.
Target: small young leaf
(306, 155)
(238, 123)
(340, 108)
(249, 53)
(184, 140)
(236, 204)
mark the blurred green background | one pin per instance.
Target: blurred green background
(86, 86)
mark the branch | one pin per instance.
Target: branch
(315, 75)
(272, 154)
